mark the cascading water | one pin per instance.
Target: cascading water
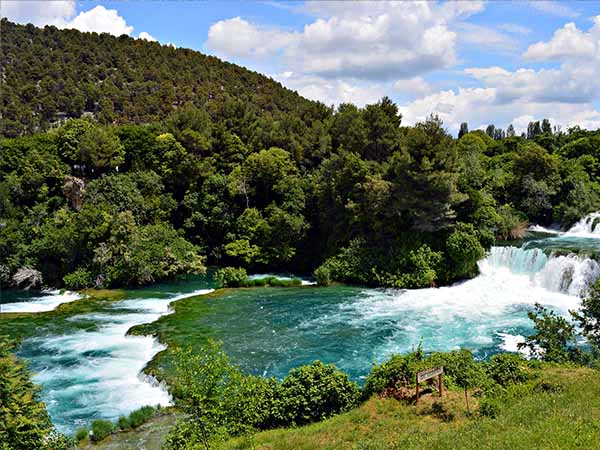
(588, 226)
(569, 274)
(91, 369)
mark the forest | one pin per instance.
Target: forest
(249, 174)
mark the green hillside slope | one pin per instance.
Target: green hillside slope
(50, 74)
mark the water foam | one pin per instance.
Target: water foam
(569, 274)
(47, 301)
(90, 374)
(258, 276)
(588, 226)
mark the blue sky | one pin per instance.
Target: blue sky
(480, 62)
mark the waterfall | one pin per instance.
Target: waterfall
(516, 259)
(569, 274)
(588, 226)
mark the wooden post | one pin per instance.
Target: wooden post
(441, 384)
(417, 399)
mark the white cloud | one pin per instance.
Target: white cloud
(61, 13)
(513, 28)
(352, 40)
(416, 86)
(331, 91)
(101, 20)
(479, 107)
(237, 37)
(147, 37)
(568, 43)
(485, 37)
(554, 8)
(38, 12)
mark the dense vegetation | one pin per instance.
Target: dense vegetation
(49, 75)
(24, 422)
(250, 175)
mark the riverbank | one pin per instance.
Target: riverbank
(565, 415)
(562, 414)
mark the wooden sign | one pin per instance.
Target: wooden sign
(428, 374)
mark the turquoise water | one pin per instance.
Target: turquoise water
(89, 368)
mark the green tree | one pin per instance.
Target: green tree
(588, 315)
(553, 338)
(100, 149)
(24, 422)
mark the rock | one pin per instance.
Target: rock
(74, 190)
(27, 278)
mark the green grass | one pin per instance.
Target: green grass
(567, 417)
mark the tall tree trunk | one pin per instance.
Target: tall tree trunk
(467, 401)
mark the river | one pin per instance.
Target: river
(91, 369)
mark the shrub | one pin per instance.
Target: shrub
(81, 434)
(323, 275)
(140, 416)
(101, 429)
(231, 277)
(512, 225)
(465, 250)
(123, 423)
(55, 440)
(314, 392)
(507, 368)
(80, 279)
(398, 371)
(490, 407)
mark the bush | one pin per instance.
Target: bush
(81, 434)
(464, 250)
(398, 371)
(123, 423)
(507, 368)
(101, 429)
(512, 225)
(323, 275)
(490, 407)
(140, 416)
(314, 392)
(80, 279)
(231, 277)
(55, 440)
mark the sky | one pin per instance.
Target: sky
(466, 61)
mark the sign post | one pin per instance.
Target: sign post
(428, 374)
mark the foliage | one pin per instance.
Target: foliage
(465, 251)
(314, 392)
(220, 401)
(182, 159)
(80, 279)
(24, 422)
(101, 429)
(588, 315)
(140, 416)
(554, 336)
(83, 433)
(231, 277)
(323, 275)
(507, 368)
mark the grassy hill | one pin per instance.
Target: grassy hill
(560, 409)
(50, 74)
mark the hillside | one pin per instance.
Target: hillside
(50, 75)
(556, 414)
